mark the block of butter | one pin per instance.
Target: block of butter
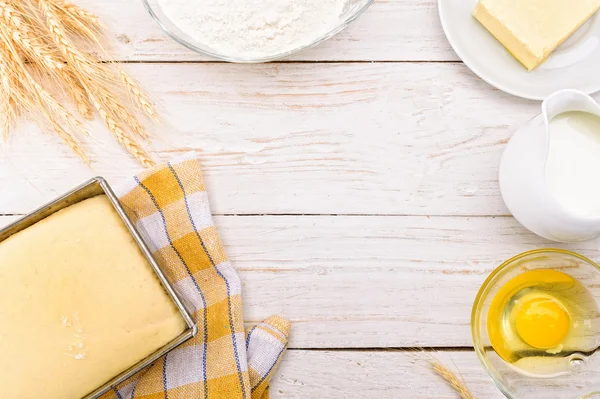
(531, 29)
(79, 304)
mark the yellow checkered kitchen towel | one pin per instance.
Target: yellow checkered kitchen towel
(169, 206)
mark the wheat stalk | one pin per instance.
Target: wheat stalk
(139, 97)
(38, 55)
(22, 33)
(55, 107)
(6, 100)
(125, 116)
(122, 137)
(35, 96)
(77, 17)
(5, 109)
(112, 107)
(79, 96)
(457, 384)
(69, 140)
(111, 111)
(75, 57)
(81, 23)
(42, 101)
(100, 90)
(80, 26)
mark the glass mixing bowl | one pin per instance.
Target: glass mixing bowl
(580, 376)
(352, 10)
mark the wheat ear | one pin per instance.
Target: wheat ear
(456, 384)
(112, 107)
(123, 138)
(69, 140)
(124, 115)
(78, 15)
(6, 110)
(54, 106)
(111, 112)
(33, 96)
(79, 96)
(22, 33)
(81, 62)
(139, 97)
(81, 21)
(76, 58)
(86, 67)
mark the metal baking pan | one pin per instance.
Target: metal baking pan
(92, 188)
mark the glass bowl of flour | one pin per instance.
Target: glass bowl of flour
(253, 30)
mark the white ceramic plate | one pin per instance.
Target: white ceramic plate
(574, 65)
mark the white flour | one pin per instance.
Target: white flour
(254, 28)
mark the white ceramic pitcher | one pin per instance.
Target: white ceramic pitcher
(523, 175)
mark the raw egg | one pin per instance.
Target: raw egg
(541, 314)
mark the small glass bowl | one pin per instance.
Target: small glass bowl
(581, 380)
(354, 9)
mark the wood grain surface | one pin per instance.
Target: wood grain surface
(342, 138)
(355, 186)
(343, 375)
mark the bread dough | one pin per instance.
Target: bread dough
(79, 304)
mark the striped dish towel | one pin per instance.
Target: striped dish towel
(169, 206)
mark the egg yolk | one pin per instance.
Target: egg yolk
(500, 337)
(542, 322)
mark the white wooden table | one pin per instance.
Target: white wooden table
(355, 187)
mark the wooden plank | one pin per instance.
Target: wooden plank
(385, 375)
(388, 138)
(392, 375)
(371, 281)
(391, 30)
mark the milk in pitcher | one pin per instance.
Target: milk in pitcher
(573, 162)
